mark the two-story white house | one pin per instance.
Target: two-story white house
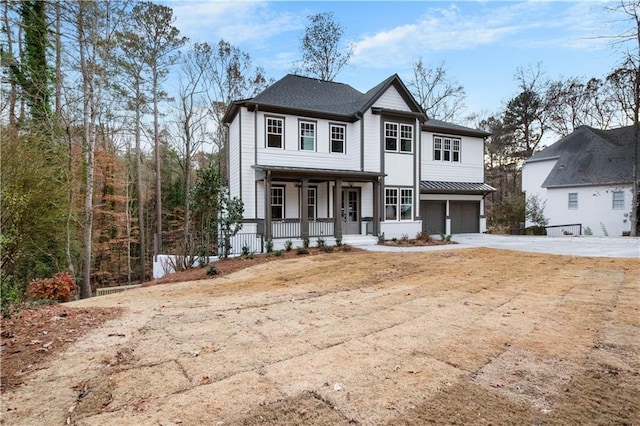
(585, 178)
(313, 158)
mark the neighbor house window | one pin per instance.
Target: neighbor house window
(618, 200)
(406, 204)
(391, 204)
(337, 138)
(395, 140)
(311, 203)
(573, 201)
(307, 136)
(391, 136)
(447, 149)
(277, 202)
(274, 132)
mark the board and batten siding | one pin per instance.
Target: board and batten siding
(399, 169)
(248, 174)
(469, 169)
(320, 158)
(234, 157)
(372, 139)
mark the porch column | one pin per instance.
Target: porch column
(267, 205)
(376, 207)
(337, 209)
(304, 214)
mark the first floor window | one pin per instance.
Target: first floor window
(311, 203)
(618, 200)
(391, 204)
(406, 204)
(274, 132)
(307, 136)
(277, 203)
(337, 138)
(573, 201)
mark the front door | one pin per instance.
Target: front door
(351, 211)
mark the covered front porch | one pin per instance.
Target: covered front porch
(304, 203)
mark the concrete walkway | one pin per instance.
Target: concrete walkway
(626, 247)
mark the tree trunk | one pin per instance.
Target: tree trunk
(138, 170)
(58, 89)
(156, 137)
(13, 91)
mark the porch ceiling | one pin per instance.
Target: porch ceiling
(295, 173)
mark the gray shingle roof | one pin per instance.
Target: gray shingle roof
(439, 126)
(590, 156)
(442, 187)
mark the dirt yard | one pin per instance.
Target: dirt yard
(473, 336)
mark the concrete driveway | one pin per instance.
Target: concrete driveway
(626, 247)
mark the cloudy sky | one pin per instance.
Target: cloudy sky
(481, 43)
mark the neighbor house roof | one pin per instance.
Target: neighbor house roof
(590, 156)
(444, 187)
(311, 97)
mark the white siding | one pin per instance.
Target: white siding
(469, 169)
(399, 169)
(372, 142)
(399, 229)
(391, 99)
(366, 195)
(321, 158)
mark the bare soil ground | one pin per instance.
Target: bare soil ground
(475, 336)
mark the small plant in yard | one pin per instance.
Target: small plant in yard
(212, 270)
(345, 247)
(288, 245)
(306, 242)
(58, 288)
(302, 250)
(321, 243)
(588, 231)
(275, 253)
(604, 229)
(339, 241)
(245, 250)
(327, 249)
(381, 239)
(251, 255)
(404, 238)
(424, 237)
(269, 245)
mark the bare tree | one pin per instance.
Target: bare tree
(440, 97)
(323, 55)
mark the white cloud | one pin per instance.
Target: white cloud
(513, 25)
(250, 22)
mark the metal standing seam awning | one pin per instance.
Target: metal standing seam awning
(295, 173)
(445, 187)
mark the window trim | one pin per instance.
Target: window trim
(344, 139)
(314, 190)
(401, 194)
(284, 192)
(617, 204)
(447, 148)
(572, 204)
(313, 123)
(397, 138)
(266, 131)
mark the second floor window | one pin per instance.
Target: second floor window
(447, 149)
(274, 132)
(337, 138)
(398, 137)
(307, 136)
(573, 201)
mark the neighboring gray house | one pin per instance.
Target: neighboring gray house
(322, 159)
(586, 178)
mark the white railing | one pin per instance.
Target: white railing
(321, 228)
